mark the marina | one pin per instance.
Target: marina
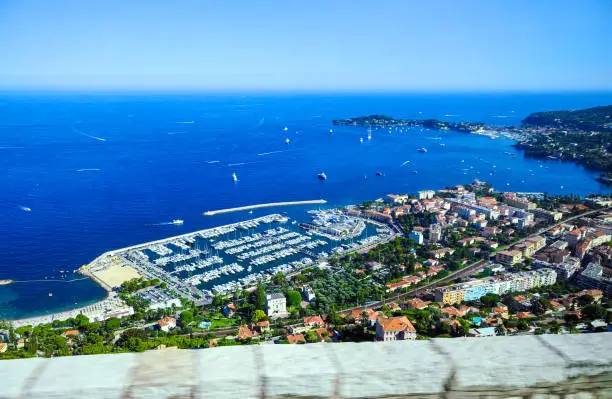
(222, 259)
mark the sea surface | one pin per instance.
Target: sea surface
(81, 174)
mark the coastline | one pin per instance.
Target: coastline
(48, 318)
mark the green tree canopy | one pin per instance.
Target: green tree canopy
(294, 298)
(258, 315)
(186, 318)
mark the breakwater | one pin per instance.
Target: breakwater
(267, 205)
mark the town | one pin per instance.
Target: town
(465, 261)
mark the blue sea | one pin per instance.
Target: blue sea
(104, 171)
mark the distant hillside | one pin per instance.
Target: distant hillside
(597, 118)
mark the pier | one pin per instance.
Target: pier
(268, 205)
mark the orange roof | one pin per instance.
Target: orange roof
(316, 320)
(245, 332)
(295, 338)
(166, 321)
(322, 333)
(524, 315)
(418, 303)
(452, 311)
(264, 323)
(400, 323)
(356, 314)
(72, 332)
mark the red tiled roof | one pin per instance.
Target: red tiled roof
(295, 338)
(400, 323)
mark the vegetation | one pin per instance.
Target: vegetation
(343, 290)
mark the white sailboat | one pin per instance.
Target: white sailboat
(234, 177)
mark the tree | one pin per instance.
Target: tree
(81, 321)
(593, 311)
(311, 337)
(112, 324)
(279, 278)
(186, 318)
(294, 298)
(259, 297)
(489, 300)
(258, 315)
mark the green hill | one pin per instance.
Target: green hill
(596, 118)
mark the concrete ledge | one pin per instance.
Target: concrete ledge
(569, 366)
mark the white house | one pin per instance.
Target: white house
(276, 305)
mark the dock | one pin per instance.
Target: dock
(268, 205)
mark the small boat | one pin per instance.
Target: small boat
(379, 173)
(322, 176)
(285, 128)
(422, 149)
(251, 212)
(178, 222)
(369, 136)
(287, 141)
(50, 294)
(331, 131)
(234, 177)
(361, 139)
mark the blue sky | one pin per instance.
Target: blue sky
(400, 45)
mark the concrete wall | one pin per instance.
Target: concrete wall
(570, 366)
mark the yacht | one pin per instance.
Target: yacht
(177, 222)
(322, 176)
(331, 131)
(422, 149)
(287, 141)
(285, 128)
(234, 177)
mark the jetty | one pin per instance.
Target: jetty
(268, 205)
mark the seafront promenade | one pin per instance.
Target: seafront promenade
(267, 205)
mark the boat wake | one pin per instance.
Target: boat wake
(405, 163)
(236, 164)
(269, 153)
(186, 123)
(88, 170)
(10, 148)
(211, 162)
(450, 115)
(173, 133)
(93, 137)
(500, 116)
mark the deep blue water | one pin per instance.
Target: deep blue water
(88, 196)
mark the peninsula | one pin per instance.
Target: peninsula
(581, 136)
(267, 205)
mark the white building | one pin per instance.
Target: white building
(308, 293)
(276, 305)
(435, 233)
(426, 194)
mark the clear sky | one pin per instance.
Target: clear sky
(379, 45)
